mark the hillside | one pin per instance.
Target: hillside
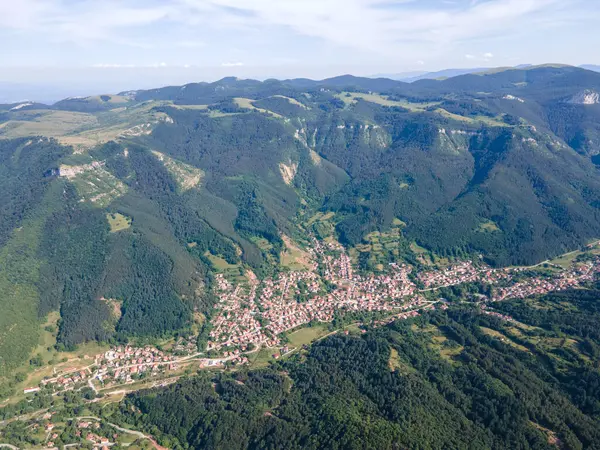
(118, 210)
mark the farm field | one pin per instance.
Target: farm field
(118, 222)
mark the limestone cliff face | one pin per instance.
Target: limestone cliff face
(587, 97)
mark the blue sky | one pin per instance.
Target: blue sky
(262, 38)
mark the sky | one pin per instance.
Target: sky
(129, 44)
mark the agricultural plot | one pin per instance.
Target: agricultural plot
(447, 348)
(232, 272)
(378, 249)
(503, 338)
(306, 336)
(293, 257)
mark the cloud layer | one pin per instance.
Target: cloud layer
(215, 32)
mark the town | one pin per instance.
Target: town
(255, 314)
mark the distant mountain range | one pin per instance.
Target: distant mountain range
(409, 77)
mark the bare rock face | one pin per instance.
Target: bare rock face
(587, 97)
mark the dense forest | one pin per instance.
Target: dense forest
(447, 379)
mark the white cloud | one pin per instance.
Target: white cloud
(401, 29)
(232, 64)
(387, 30)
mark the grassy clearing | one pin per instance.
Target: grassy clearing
(186, 176)
(247, 103)
(488, 227)
(47, 123)
(220, 264)
(308, 335)
(472, 120)
(108, 98)
(566, 260)
(350, 98)
(262, 358)
(293, 101)
(449, 353)
(85, 130)
(118, 222)
(394, 362)
(320, 217)
(214, 114)
(233, 272)
(398, 223)
(192, 107)
(262, 243)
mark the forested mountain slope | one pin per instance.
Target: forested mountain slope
(117, 208)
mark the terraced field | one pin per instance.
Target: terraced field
(94, 183)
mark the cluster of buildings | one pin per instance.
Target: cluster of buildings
(122, 363)
(463, 272)
(68, 379)
(505, 285)
(570, 278)
(256, 314)
(86, 431)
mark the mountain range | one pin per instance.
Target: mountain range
(410, 77)
(118, 208)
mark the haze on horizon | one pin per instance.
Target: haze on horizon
(80, 47)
